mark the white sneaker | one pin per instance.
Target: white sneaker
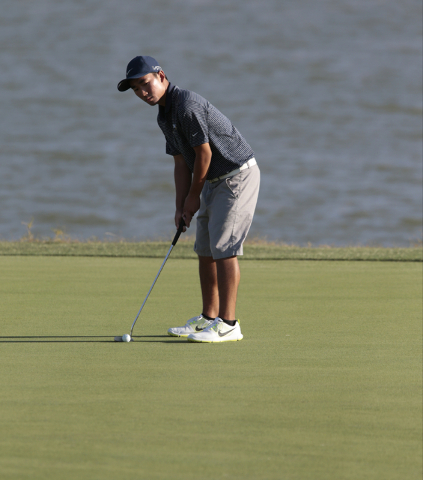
(218, 331)
(194, 325)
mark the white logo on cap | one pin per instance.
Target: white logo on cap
(127, 73)
(157, 68)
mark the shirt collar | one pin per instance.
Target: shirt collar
(169, 97)
(169, 100)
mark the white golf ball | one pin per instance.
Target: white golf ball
(126, 338)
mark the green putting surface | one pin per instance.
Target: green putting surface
(325, 385)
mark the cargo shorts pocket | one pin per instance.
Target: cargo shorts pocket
(234, 184)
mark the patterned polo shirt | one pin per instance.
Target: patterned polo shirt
(189, 120)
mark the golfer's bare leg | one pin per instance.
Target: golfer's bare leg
(228, 277)
(219, 281)
(208, 282)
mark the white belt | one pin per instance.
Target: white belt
(248, 164)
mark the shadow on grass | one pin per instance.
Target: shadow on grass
(86, 339)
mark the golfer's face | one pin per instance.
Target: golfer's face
(149, 88)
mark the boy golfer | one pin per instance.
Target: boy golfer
(215, 174)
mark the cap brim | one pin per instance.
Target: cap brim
(124, 85)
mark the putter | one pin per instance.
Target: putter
(175, 239)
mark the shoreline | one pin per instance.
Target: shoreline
(254, 250)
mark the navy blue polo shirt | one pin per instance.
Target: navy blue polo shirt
(189, 120)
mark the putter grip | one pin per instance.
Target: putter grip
(178, 233)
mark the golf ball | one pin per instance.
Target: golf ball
(126, 338)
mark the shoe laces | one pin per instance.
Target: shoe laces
(215, 324)
(196, 319)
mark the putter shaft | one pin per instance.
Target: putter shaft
(151, 288)
(175, 239)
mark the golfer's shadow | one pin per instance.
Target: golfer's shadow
(85, 339)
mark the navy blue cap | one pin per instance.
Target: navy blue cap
(137, 68)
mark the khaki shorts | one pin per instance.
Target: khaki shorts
(225, 215)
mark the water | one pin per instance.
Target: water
(327, 92)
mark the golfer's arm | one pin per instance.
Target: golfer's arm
(183, 180)
(203, 155)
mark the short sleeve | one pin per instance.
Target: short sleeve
(171, 147)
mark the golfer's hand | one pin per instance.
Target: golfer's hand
(178, 216)
(191, 206)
